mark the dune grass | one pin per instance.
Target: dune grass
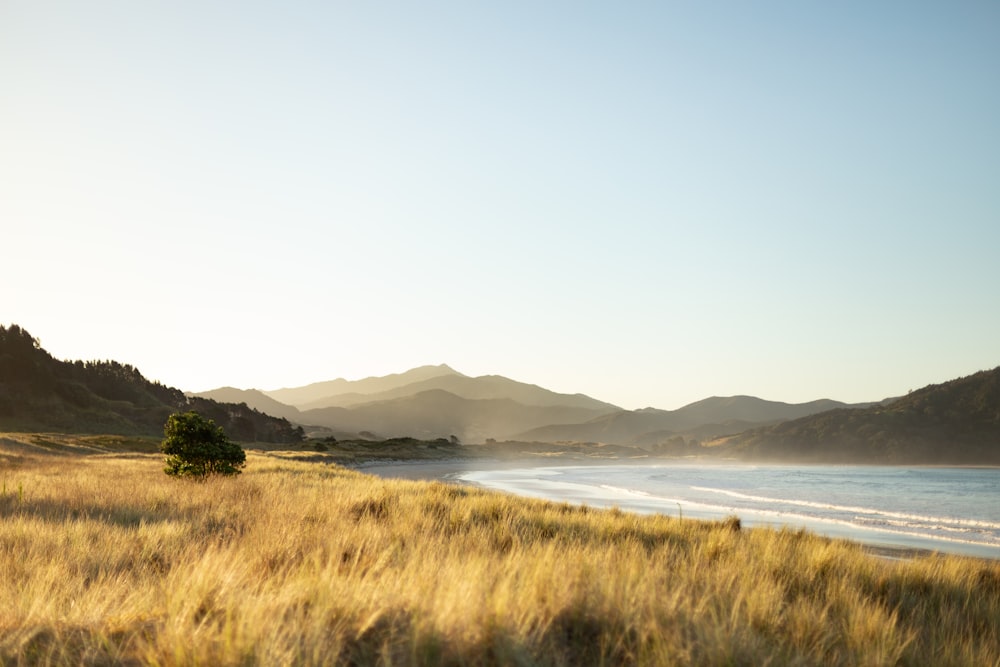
(106, 560)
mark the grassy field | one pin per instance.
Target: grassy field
(106, 560)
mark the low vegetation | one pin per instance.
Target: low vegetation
(198, 447)
(104, 559)
(351, 452)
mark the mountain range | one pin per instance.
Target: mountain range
(955, 422)
(438, 401)
(425, 402)
(709, 417)
(319, 391)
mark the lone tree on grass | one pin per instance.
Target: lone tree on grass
(197, 447)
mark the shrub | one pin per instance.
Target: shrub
(197, 447)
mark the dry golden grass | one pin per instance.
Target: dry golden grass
(106, 560)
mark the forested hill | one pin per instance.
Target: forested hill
(957, 422)
(40, 393)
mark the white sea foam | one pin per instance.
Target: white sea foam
(856, 510)
(877, 505)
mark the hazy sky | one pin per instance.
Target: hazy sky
(647, 202)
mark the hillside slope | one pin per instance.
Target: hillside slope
(956, 422)
(255, 399)
(40, 393)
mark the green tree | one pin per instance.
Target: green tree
(198, 447)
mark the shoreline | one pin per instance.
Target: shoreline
(449, 471)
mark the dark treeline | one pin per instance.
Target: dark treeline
(39, 392)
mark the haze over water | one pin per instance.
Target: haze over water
(951, 510)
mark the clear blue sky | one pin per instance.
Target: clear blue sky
(647, 202)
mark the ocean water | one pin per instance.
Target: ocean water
(955, 510)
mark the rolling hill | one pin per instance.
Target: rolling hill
(437, 413)
(710, 417)
(956, 422)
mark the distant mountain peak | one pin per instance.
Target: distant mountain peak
(317, 391)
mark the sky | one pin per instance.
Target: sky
(646, 202)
